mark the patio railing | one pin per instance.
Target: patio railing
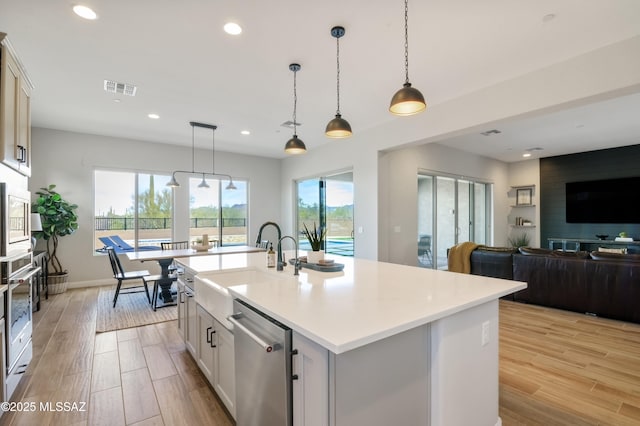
(125, 223)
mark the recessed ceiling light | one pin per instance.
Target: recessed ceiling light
(549, 17)
(232, 28)
(116, 101)
(245, 132)
(528, 152)
(153, 116)
(85, 12)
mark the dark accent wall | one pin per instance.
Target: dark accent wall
(592, 165)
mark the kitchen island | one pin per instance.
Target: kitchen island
(379, 343)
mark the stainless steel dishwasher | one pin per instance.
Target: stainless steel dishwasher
(263, 368)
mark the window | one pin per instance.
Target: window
(328, 202)
(450, 211)
(218, 212)
(134, 206)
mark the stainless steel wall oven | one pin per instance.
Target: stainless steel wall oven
(17, 274)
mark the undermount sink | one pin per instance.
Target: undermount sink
(212, 294)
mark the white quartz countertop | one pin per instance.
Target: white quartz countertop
(365, 302)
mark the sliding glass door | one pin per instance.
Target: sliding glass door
(450, 211)
(327, 202)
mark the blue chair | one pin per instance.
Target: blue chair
(122, 244)
(109, 243)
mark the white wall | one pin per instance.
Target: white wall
(68, 160)
(398, 213)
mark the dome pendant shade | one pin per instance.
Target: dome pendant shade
(407, 101)
(231, 185)
(203, 184)
(173, 183)
(338, 128)
(295, 146)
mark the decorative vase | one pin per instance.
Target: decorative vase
(315, 256)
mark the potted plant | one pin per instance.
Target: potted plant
(58, 218)
(315, 240)
(518, 241)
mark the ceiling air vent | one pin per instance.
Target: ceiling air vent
(121, 88)
(289, 124)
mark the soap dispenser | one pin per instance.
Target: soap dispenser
(271, 257)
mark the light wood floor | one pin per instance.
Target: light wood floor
(138, 376)
(556, 368)
(562, 368)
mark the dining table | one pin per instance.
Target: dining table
(165, 259)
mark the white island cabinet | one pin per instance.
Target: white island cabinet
(379, 343)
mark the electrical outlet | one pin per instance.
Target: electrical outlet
(485, 332)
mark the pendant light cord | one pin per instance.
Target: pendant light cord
(193, 148)
(406, 40)
(213, 151)
(338, 74)
(295, 103)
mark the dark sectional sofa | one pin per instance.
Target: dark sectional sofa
(595, 283)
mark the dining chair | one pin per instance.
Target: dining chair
(121, 275)
(174, 245)
(174, 271)
(424, 250)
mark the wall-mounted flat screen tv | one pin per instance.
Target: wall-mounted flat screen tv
(603, 201)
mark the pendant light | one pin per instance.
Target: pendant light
(294, 145)
(408, 100)
(338, 127)
(203, 184)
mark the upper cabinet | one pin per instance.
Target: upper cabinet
(15, 110)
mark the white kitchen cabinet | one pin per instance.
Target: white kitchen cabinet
(15, 110)
(224, 372)
(311, 387)
(206, 346)
(216, 357)
(369, 385)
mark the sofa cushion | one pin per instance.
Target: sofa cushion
(615, 257)
(529, 251)
(533, 251)
(498, 249)
(582, 254)
(493, 262)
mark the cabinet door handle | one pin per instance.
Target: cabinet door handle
(21, 154)
(209, 335)
(212, 333)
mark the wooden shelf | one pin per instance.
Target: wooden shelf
(522, 205)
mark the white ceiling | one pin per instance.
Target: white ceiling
(187, 69)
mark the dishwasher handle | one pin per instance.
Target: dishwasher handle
(233, 319)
